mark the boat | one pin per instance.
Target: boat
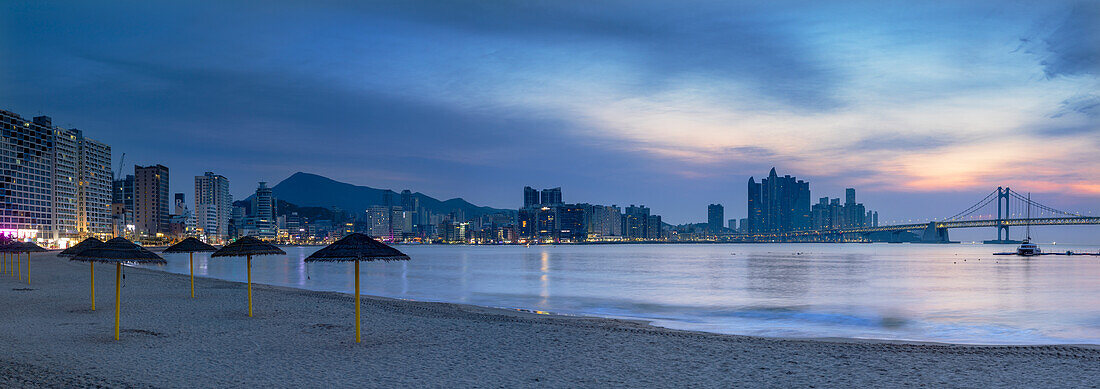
(1028, 249)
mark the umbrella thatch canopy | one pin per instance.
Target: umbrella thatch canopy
(247, 247)
(191, 246)
(117, 251)
(28, 247)
(357, 247)
(77, 248)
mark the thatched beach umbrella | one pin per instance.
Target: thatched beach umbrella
(247, 247)
(191, 246)
(76, 249)
(28, 247)
(118, 251)
(357, 247)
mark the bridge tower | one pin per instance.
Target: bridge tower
(1002, 198)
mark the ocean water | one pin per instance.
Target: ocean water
(943, 293)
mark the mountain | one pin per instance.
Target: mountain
(311, 190)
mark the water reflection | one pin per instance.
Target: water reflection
(916, 292)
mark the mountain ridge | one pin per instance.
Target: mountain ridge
(313, 190)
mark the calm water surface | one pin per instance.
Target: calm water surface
(948, 293)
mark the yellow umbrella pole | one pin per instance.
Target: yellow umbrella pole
(18, 271)
(357, 301)
(28, 268)
(249, 286)
(118, 294)
(191, 264)
(92, 286)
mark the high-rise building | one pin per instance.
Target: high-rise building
(26, 171)
(378, 221)
(570, 226)
(179, 204)
(732, 225)
(636, 222)
(263, 213)
(94, 192)
(66, 181)
(82, 184)
(530, 197)
(715, 214)
(122, 192)
(654, 227)
(742, 223)
(213, 206)
(783, 204)
(551, 197)
(602, 220)
(151, 199)
(754, 223)
(831, 214)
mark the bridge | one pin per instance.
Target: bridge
(937, 231)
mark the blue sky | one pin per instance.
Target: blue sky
(922, 106)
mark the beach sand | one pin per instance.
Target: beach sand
(49, 337)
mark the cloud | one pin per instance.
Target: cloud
(659, 40)
(1073, 49)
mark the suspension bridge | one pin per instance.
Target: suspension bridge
(1013, 210)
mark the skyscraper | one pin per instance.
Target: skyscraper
(551, 197)
(779, 204)
(179, 204)
(636, 222)
(122, 192)
(213, 206)
(530, 197)
(570, 226)
(26, 168)
(715, 214)
(94, 192)
(81, 184)
(754, 222)
(263, 212)
(151, 199)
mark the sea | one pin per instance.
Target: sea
(956, 293)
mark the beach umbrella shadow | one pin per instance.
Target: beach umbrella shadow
(191, 246)
(355, 248)
(248, 247)
(118, 251)
(76, 249)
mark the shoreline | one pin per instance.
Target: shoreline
(49, 337)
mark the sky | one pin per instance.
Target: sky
(923, 107)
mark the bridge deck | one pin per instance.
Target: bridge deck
(1049, 221)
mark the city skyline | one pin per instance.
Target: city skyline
(975, 85)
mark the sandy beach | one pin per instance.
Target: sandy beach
(49, 337)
